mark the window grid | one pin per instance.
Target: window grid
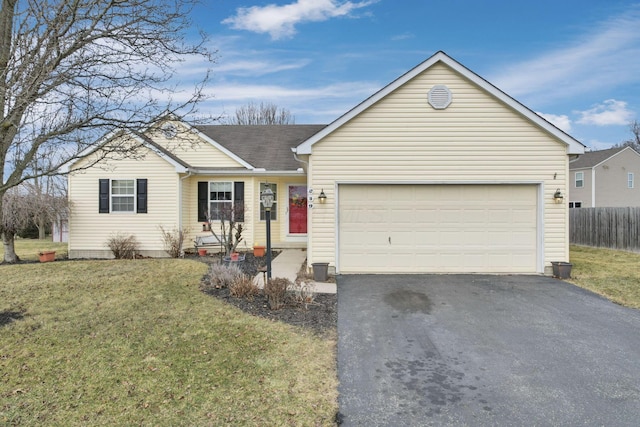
(579, 179)
(220, 199)
(630, 180)
(123, 195)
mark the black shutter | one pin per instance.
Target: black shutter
(141, 185)
(203, 200)
(238, 200)
(103, 201)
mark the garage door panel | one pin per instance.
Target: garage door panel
(437, 228)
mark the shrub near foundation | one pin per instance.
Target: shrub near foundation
(122, 246)
(223, 276)
(244, 287)
(276, 292)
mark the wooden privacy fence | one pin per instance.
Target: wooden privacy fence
(615, 228)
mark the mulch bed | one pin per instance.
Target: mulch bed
(319, 316)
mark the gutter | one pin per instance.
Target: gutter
(253, 172)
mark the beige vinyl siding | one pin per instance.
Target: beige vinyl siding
(190, 208)
(581, 194)
(402, 139)
(90, 230)
(611, 181)
(254, 229)
(195, 151)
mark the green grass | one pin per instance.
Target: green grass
(137, 343)
(610, 273)
(27, 249)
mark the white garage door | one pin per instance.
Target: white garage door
(437, 228)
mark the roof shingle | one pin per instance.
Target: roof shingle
(262, 146)
(591, 158)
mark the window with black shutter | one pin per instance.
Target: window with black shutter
(203, 200)
(216, 199)
(122, 195)
(103, 204)
(141, 194)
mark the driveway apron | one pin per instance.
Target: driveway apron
(477, 350)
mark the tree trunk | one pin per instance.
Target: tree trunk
(9, 248)
(42, 230)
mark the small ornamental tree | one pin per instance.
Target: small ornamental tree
(229, 223)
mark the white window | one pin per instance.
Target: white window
(220, 200)
(579, 179)
(575, 204)
(630, 180)
(274, 208)
(123, 195)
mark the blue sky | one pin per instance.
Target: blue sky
(575, 62)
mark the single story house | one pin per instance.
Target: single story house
(439, 171)
(605, 178)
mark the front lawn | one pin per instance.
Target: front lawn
(27, 249)
(610, 273)
(137, 343)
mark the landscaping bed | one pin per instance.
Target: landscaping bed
(319, 315)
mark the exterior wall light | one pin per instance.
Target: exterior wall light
(322, 197)
(558, 197)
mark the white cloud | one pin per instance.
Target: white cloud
(607, 57)
(562, 122)
(280, 21)
(248, 92)
(320, 104)
(257, 67)
(610, 112)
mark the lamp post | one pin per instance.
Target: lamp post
(267, 201)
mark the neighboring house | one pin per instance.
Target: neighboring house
(439, 171)
(605, 178)
(60, 228)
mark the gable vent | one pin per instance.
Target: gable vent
(439, 97)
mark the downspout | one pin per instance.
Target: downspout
(593, 187)
(309, 213)
(180, 206)
(295, 156)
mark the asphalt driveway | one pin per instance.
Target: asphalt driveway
(419, 350)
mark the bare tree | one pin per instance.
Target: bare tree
(263, 114)
(72, 70)
(47, 197)
(634, 142)
(16, 214)
(230, 219)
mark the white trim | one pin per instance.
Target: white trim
(539, 263)
(633, 180)
(574, 146)
(244, 172)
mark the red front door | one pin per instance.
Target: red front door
(297, 209)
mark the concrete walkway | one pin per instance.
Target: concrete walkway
(287, 264)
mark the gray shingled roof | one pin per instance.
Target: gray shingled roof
(591, 158)
(262, 146)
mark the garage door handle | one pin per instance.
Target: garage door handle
(389, 239)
